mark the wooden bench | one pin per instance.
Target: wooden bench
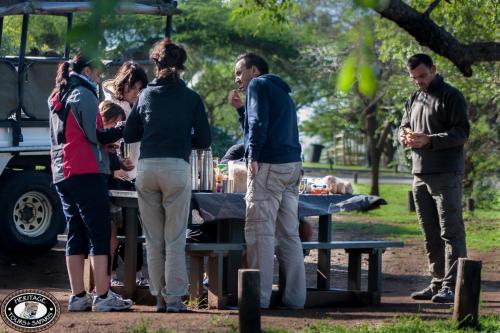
(354, 250)
(216, 251)
(215, 270)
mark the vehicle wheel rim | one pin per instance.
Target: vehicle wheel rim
(32, 214)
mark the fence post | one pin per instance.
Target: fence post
(467, 292)
(355, 177)
(249, 300)
(411, 202)
(471, 205)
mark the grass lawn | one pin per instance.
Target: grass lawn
(326, 166)
(394, 221)
(487, 324)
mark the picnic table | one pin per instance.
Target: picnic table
(225, 255)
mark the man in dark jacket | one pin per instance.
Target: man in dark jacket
(435, 127)
(272, 151)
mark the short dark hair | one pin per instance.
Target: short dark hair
(110, 110)
(253, 59)
(418, 59)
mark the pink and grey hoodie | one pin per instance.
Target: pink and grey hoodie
(76, 130)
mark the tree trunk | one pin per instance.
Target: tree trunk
(375, 170)
(371, 126)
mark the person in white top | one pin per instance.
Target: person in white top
(124, 90)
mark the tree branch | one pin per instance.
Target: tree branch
(431, 7)
(427, 33)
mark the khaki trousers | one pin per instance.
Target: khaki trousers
(271, 209)
(438, 202)
(164, 191)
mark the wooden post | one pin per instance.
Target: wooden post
(411, 202)
(355, 177)
(467, 292)
(249, 300)
(471, 205)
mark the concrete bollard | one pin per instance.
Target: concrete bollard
(249, 300)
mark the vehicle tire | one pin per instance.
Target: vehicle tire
(30, 212)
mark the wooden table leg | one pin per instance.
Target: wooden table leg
(88, 276)
(324, 235)
(215, 274)
(375, 275)
(195, 277)
(354, 270)
(131, 220)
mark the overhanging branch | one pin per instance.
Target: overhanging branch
(428, 33)
(431, 7)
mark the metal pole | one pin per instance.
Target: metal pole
(68, 30)
(1, 30)
(17, 136)
(168, 27)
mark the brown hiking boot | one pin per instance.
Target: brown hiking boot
(425, 294)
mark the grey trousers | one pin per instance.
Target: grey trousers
(439, 209)
(271, 209)
(164, 191)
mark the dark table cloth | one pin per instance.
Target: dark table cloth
(219, 206)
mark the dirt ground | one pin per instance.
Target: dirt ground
(404, 271)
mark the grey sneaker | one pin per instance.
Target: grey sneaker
(425, 294)
(175, 304)
(444, 295)
(113, 302)
(76, 304)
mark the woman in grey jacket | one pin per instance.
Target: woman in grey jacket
(169, 120)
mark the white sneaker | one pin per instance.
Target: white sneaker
(113, 302)
(116, 283)
(175, 304)
(83, 303)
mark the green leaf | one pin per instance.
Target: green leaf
(367, 82)
(347, 75)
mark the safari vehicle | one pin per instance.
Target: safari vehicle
(31, 216)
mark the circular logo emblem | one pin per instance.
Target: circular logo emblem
(30, 310)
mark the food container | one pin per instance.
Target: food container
(237, 172)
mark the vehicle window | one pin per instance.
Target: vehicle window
(11, 36)
(46, 36)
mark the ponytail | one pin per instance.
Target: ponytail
(77, 64)
(62, 77)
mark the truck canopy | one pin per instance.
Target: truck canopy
(27, 80)
(61, 7)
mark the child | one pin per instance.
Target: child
(111, 114)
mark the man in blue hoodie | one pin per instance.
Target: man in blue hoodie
(272, 151)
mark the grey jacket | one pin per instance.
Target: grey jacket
(441, 112)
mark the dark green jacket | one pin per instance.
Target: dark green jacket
(441, 111)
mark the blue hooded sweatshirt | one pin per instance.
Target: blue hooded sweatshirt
(271, 132)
